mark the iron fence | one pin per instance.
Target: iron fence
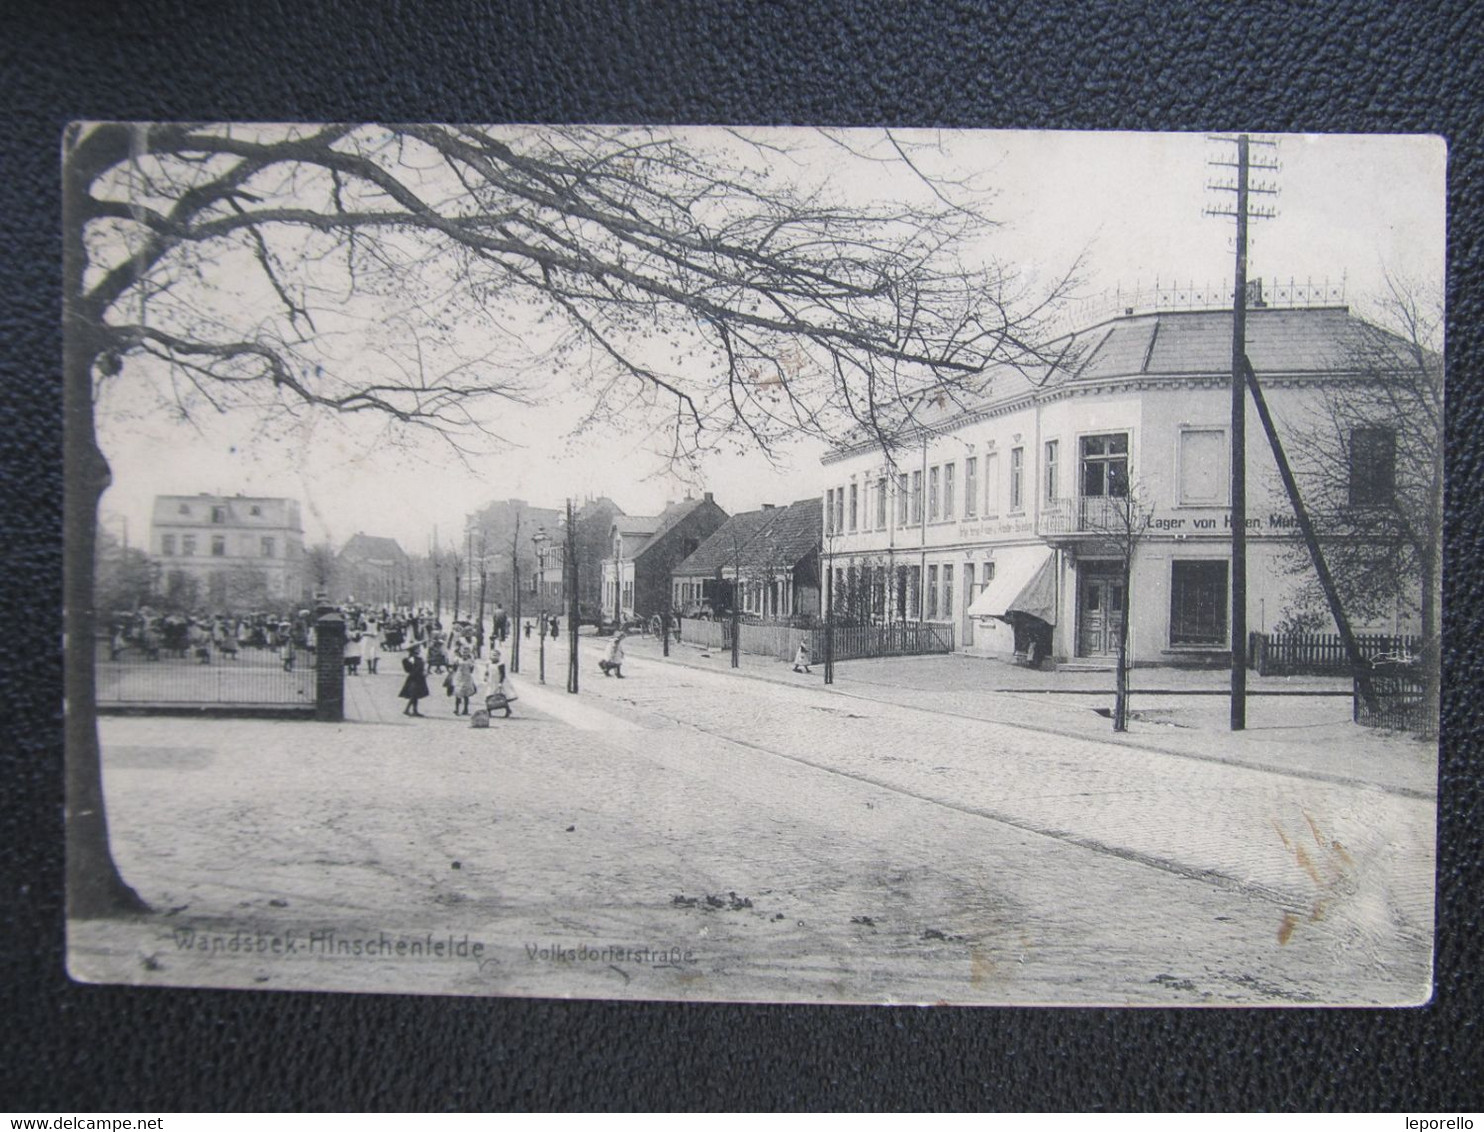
(1400, 698)
(135, 676)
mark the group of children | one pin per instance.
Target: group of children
(462, 682)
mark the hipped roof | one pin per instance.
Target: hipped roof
(1289, 341)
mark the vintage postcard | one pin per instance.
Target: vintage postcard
(766, 565)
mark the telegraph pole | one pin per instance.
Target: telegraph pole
(569, 563)
(1243, 190)
(1239, 453)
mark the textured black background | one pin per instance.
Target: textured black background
(1265, 66)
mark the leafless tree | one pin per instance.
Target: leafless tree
(1369, 465)
(412, 273)
(1120, 521)
(319, 567)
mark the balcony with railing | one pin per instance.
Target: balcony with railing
(1087, 516)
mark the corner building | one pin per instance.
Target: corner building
(996, 514)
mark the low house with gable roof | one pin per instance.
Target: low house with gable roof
(763, 562)
(644, 551)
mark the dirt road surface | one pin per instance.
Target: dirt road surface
(909, 835)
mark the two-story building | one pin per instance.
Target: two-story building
(1005, 511)
(238, 552)
(644, 550)
(591, 543)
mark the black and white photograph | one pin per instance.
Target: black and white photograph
(767, 565)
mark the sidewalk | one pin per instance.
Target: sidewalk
(1313, 737)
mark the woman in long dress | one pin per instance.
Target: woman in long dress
(371, 646)
(415, 687)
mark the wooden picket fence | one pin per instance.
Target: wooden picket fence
(851, 642)
(858, 642)
(1319, 654)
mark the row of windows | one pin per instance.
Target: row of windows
(939, 498)
(1201, 480)
(628, 595)
(267, 546)
(875, 591)
(218, 512)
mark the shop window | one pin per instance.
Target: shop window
(1372, 467)
(1198, 600)
(1203, 464)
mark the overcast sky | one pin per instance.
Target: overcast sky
(1350, 208)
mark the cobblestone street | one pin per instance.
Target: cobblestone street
(936, 829)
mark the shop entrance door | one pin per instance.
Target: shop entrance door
(1100, 609)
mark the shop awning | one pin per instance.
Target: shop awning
(1024, 582)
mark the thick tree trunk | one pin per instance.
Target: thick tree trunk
(94, 886)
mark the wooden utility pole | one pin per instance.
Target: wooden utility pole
(829, 610)
(569, 563)
(1242, 211)
(483, 590)
(515, 575)
(1239, 454)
